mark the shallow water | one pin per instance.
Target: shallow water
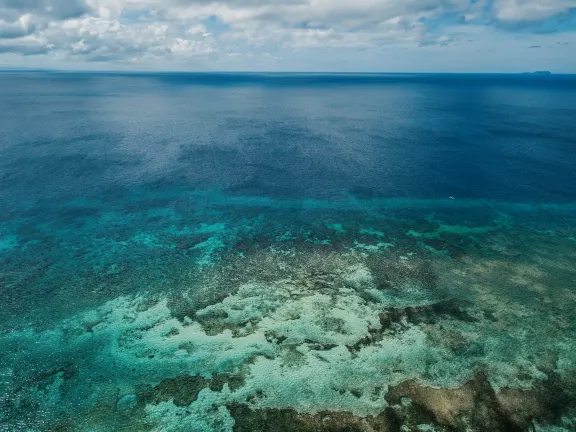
(283, 252)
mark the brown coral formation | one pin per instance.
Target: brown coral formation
(283, 420)
(184, 389)
(473, 407)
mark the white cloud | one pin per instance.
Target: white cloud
(176, 30)
(531, 10)
(49, 9)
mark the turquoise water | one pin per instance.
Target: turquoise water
(277, 253)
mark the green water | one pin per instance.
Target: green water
(278, 305)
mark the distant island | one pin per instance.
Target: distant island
(538, 73)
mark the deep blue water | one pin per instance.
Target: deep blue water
(496, 137)
(180, 188)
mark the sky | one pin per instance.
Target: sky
(290, 35)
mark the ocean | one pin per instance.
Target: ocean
(287, 252)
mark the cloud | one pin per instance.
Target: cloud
(50, 9)
(441, 41)
(530, 10)
(182, 30)
(25, 47)
(23, 26)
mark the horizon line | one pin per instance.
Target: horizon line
(539, 73)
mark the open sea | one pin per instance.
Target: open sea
(287, 252)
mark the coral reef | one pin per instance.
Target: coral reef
(326, 324)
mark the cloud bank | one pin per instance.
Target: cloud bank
(208, 34)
